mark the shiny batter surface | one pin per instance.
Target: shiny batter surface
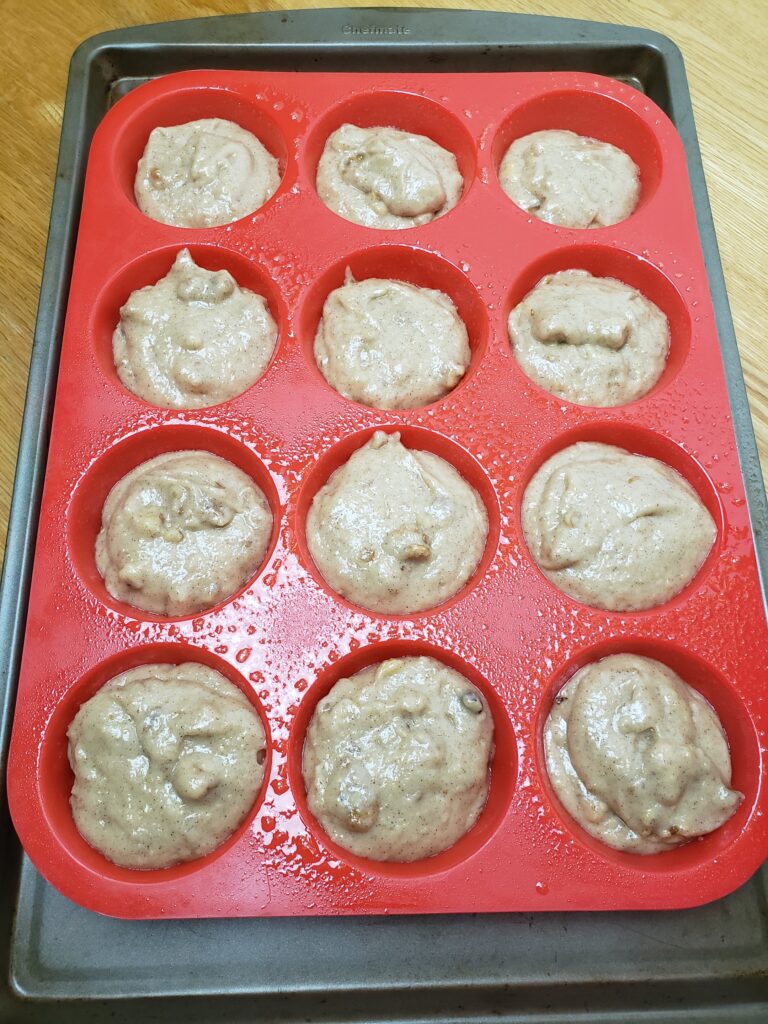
(182, 532)
(387, 178)
(637, 756)
(396, 530)
(615, 530)
(570, 180)
(193, 339)
(204, 173)
(589, 340)
(396, 759)
(390, 344)
(168, 760)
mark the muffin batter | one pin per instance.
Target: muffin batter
(168, 760)
(396, 530)
(637, 757)
(204, 173)
(182, 532)
(589, 340)
(387, 178)
(570, 180)
(615, 530)
(390, 344)
(396, 759)
(193, 339)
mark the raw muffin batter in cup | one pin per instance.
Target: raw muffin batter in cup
(615, 530)
(395, 530)
(589, 340)
(570, 180)
(193, 339)
(182, 532)
(396, 759)
(390, 344)
(387, 178)
(637, 757)
(168, 760)
(204, 173)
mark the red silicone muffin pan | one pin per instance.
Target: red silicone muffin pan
(286, 638)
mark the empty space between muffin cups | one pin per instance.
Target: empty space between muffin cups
(185, 105)
(388, 567)
(85, 519)
(375, 382)
(166, 384)
(55, 777)
(737, 726)
(502, 765)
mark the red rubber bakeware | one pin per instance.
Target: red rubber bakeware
(286, 638)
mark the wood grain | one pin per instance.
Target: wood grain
(724, 43)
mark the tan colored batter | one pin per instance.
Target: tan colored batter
(168, 760)
(396, 530)
(193, 339)
(391, 345)
(204, 173)
(396, 759)
(637, 757)
(387, 178)
(615, 530)
(182, 532)
(570, 180)
(589, 340)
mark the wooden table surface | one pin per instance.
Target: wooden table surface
(724, 43)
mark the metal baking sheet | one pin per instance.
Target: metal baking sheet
(66, 964)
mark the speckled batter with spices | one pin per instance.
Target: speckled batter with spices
(396, 530)
(589, 340)
(390, 344)
(204, 173)
(182, 532)
(387, 178)
(193, 339)
(570, 180)
(396, 759)
(168, 760)
(615, 530)
(638, 757)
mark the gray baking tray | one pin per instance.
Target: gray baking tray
(65, 964)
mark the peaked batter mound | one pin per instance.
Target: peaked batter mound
(193, 339)
(387, 178)
(396, 530)
(637, 757)
(396, 759)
